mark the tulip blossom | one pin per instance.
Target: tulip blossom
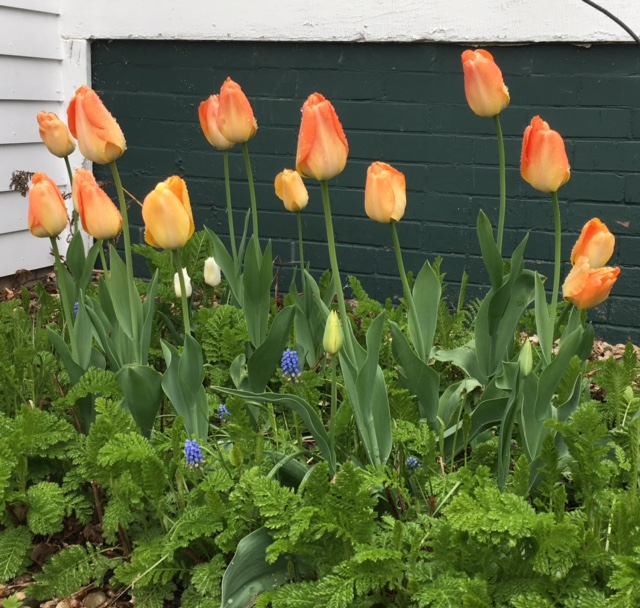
(47, 212)
(55, 134)
(235, 119)
(595, 243)
(208, 115)
(484, 87)
(544, 163)
(212, 274)
(322, 145)
(187, 284)
(167, 216)
(586, 287)
(99, 216)
(385, 195)
(333, 336)
(99, 136)
(290, 189)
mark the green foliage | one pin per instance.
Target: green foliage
(46, 508)
(15, 549)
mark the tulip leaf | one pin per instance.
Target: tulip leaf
(256, 282)
(450, 400)
(427, 291)
(148, 310)
(511, 411)
(142, 390)
(544, 325)
(466, 358)
(121, 294)
(490, 254)
(83, 335)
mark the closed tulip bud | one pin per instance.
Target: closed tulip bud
(290, 189)
(322, 145)
(333, 336)
(212, 274)
(208, 115)
(99, 216)
(235, 119)
(525, 359)
(187, 284)
(167, 216)
(595, 243)
(55, 134)
(99, 136)
(484, 87)
(586, 287)
(385, 195)
(47, 212)
(544, 163)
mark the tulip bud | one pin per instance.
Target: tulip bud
(322, 145)
(586, 287)
(385, 195)
(290, 189)
(525, 359)
(187, 284)
(333, 336)
(47, 212)
(167, 216)
(544, 163)
(595, 243)
(55, 135)
(484, 87)
(212, 274)
(208, 115)
(235, 119)
(99, 136)
(99, 216)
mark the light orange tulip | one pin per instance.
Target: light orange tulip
(99, 216)
(167, 216)
(290, 189)
(385, 194)
(544, 163)
(47, 212)
(235, 119)
(55, 134)
(208, 115)
(322, 145)
(586, 287)
(484, 87)
(595, 243)
(99, 136)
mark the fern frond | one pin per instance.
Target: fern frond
(15, 548)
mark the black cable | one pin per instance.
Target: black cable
(611, 16)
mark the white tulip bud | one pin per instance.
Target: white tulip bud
(212, 275)
(187, 284)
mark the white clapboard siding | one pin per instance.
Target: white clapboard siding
(39, 6)
(30, 79)
(14, 210)
(21, 250)
(29, 34)
(21, 126)
(29, 157)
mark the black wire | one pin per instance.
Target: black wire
(611, 16)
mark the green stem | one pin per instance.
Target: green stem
(334, 405)
(300, 244)
(227, 188)
(407, 291)
(335, 270)
(103, 260)
(252, 189)
(70, 174)
(125, 219)
(503, 181)
(177, 264)
(557, 259)
(62, 288)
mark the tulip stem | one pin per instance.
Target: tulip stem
(62, 287)
(334, 405)
(407, 291)
(125, 219)
(503, 182)
(227, 188)
(252, 189)
(177, 264)
(335, 270)
(103, 261)
(300, 244)
(557, 259)
(74, 212)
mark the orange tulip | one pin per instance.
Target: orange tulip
(208, 115)
(99, 216)
(55, 134)
(484, 87)
(544, 163)
(322, 145)
(385, 195)
(47, 211)
(167, 216)
(595, 243)
(586, 287)
(290, 189)
(99, 136)
(235, 119)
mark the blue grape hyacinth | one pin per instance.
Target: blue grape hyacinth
(193, 453)
(290, 364)
(413, 463)
(223, 412)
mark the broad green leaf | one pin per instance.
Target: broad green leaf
(148, 310)
(449, 402)
(83, 333)
(490, 253)
(142, 389)
(544, 326)
(121, 294)
(511, 411)
(466, 358)
(76, 259)
(426, 297)
(256, 282)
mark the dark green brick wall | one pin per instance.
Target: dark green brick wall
(403, 104)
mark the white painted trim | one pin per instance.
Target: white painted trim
(466, 21)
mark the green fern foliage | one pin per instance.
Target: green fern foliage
(15, 548)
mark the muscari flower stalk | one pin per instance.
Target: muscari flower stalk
(290, 364)
(413, 463)
(193, 453)
(223, 412)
